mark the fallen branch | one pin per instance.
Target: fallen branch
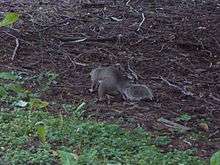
(143, 19)
(15, 50)
(133, 73)
(214, 98)
(173, 125)
(16, 47)
(183, 90)
(127, 3)
(78, 40)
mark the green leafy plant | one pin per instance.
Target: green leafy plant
(183, 117)
(44, 80)
(36, 103)
(215, 159)
(80, 110)
(78, 141)
(11, 89)
(162, 140)
(67, 158)
(13, 93)
(3, 92)
(9, 76)
(76, 111)
(9, 19)
(41, 131)
(87, 142)
(16, 88)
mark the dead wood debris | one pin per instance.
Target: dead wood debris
(173, 125)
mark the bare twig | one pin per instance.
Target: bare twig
(171, 124)
(72, 39)
(73, 61)
(143, 19)
(213, 134)
(214, 98)
(210, 53)
(78, 40)
(216, 41)
(81, 64)
(16, 47)
(183, 90)
(127, 3)
(15, 50)
(187, 142)
(132, 71)
(162, 47)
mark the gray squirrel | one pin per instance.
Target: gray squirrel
(110, 80)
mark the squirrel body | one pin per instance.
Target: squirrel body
(110, 80)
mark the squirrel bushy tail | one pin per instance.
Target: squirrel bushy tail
(137, 92)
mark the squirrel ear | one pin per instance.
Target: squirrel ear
(119, 67)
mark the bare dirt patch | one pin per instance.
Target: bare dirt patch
(167, 40)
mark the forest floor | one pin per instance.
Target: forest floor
(173, 47)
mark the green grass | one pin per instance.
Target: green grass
(30, 135)
(93, 143)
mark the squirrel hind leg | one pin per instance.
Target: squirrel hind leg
(101, 91)
(94, 86)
